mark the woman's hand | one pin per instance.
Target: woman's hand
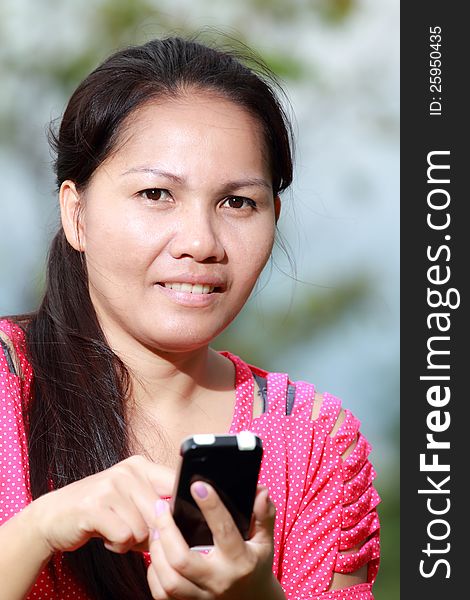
(116, 505)
(233, 569)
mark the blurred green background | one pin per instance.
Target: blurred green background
(326, 309)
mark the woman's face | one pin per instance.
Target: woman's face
(177, 224)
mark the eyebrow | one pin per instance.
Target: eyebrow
(229, 185)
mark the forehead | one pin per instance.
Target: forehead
(196, 130)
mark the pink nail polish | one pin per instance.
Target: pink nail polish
(155, 534)
(161, 506)
(201, 490)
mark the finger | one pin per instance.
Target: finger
(130, 514)
(177, 552)
(225, 533)
(264, 512)
(143, 498)
(171, 581)
(158, 593)
(152, 481)
(161, 478)
(115, 532)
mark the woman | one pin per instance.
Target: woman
(171, 157)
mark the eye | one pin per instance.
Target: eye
(239, 202)
(154, 194)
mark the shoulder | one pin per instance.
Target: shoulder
(9, 359)
(300, 403)
(328, 413)
(323, 410)
(12, 333)
(15, 380)
(13, 349)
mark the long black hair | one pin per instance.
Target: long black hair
(77, 418)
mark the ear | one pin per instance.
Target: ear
(70, 208)
(277, 207)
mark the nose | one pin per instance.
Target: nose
(196, 236)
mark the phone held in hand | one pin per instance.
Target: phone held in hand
(230, 464)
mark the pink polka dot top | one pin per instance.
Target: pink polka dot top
(326, 519)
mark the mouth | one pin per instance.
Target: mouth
(189, 288)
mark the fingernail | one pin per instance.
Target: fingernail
(201, 490)
(271, 506)
(267, 498)
(155, 534)
(161, 506)
(263, 490)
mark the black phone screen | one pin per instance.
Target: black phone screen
(232, 472)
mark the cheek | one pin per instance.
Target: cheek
(253, 254)
(117, 243)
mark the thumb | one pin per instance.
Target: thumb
(264, 512)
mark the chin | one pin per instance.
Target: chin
(179, 342)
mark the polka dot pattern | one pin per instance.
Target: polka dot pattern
(325, 505)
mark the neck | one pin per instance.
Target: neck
(166, 382)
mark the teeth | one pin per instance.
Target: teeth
(198, 288)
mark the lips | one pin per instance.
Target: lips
(191, 295)
(190, 283)
(189, 288)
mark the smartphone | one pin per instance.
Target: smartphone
(230, 464)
